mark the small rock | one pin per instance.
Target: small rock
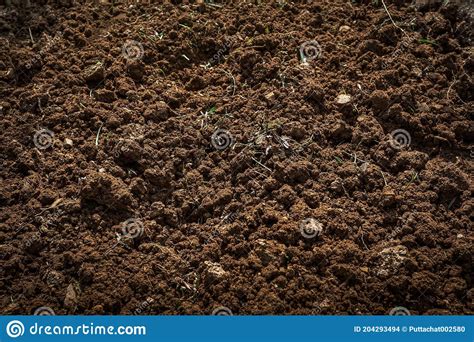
(343, 99)
(389, 260)
(344, 28)
(270, 96)
(68, 142)
(94, 73)
(214, 271)
(70, 300)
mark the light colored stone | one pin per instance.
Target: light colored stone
(270, 96)
(344, 28)
(70, 300)
(343, 99)
(214, 271)
(391, 258)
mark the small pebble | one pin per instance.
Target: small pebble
(270, 96)
(343, 99)
(344, 28)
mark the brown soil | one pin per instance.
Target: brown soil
(131, 208)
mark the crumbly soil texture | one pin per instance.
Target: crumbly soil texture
(259, 157)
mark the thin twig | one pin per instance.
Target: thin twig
(233, 80)
(449, 89)
(214, 5)
(97, 136)
(384, 180)
(362, 239)
(266, 167)
(391, 19)
(451, 203)
(343, 188)
(31, 36)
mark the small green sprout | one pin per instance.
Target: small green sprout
(427, 41)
